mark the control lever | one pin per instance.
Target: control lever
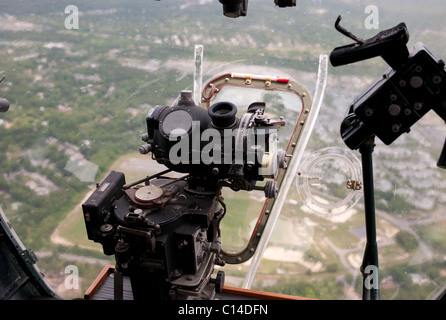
(414, 85)
(390, 44)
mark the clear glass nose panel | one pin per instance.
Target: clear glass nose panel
(247, 212)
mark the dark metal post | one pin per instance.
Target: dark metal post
(369, 267)
(118, 287)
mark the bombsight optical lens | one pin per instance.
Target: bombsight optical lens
(177, 122)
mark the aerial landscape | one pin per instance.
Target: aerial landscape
(79, 98)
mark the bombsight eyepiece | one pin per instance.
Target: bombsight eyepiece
(223, 114)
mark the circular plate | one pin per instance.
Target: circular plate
(148, 193)
(323, 178)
